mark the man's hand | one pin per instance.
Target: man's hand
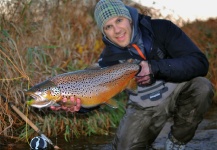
(75, 104)
(145, 76)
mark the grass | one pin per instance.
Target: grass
(40, 40)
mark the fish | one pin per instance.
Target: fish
(93, 87)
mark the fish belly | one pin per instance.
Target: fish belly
(95, 87)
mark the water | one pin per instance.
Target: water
(89, 143)
(83, 143)
(204, 139)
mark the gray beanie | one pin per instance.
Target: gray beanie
(106, 9)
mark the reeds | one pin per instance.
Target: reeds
(39, 40)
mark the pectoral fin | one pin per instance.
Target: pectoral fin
(112, 103)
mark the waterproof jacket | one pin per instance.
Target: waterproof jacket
(170, 52)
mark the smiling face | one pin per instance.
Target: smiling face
(118, 30)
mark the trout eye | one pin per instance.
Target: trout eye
(39, 90)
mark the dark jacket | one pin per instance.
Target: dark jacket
(176, 58)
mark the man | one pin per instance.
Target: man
(170, 81)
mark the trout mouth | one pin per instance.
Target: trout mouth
(38, 101)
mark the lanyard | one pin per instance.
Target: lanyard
(139, 51)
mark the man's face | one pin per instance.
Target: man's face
(118, 30)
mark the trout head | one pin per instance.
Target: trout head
(44, 94)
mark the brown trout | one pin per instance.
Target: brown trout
(92, 86)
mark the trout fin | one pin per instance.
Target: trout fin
(94, 66)
(112, 103)
(132, 86)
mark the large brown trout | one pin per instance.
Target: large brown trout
(92, 86)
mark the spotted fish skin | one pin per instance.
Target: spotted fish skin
(93, 87)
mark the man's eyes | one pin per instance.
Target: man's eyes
(119, 20)
(108, 27)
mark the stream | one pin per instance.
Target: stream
(204, 139)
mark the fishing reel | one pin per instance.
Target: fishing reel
(38, 143)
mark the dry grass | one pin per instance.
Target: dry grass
(37, 42)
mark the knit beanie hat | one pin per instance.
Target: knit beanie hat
(106, 9)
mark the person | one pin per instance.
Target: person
(171, 82)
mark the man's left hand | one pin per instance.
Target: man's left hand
(75, 105)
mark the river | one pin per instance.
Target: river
(204, 139)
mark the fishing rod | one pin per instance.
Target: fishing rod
(29, 122)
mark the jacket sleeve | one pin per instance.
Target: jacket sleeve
(184, 59)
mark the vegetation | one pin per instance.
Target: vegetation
(204, 34)
(41, 39)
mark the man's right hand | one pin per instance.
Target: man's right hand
(74, 107)
(145, 76)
